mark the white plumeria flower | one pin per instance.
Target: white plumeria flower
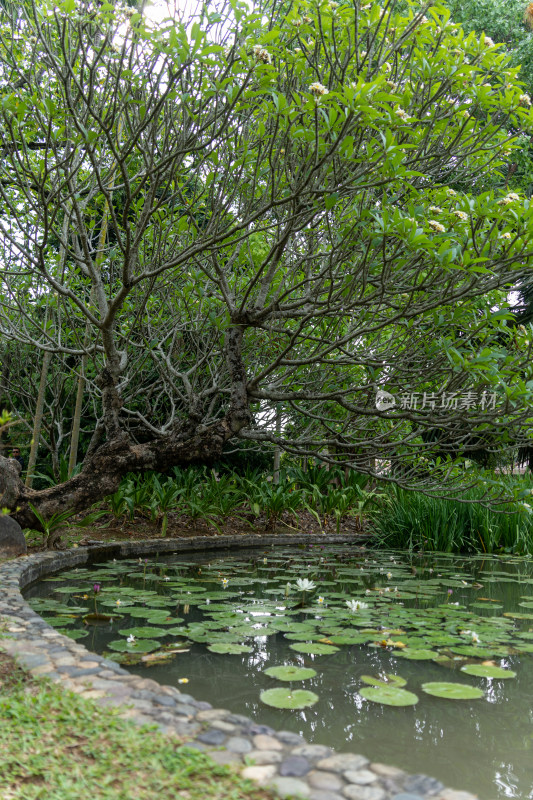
(356, 605)
(403, 115)
(305, 585)
(130, 639)
(436, 226)
(261, 54)
(317, 89)
(525, 100)
(512, 197)
(462, 215)
(435, 210)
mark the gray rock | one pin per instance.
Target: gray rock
(295, 767)
(12, 541)
(422, 784)
(341, 762)
(453, 794)
(327, 781)
(185, 710)
(354, 792)
(260, 729)
(238, 744)
(312, 751)
(404, 796)
(262, 757)
(213, 736)
(318, 794)
(360, 776)
(259, 774)
(288, 737)
(290, 787)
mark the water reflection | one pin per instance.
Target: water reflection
(483, 746)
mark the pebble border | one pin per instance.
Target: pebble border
(277, 760)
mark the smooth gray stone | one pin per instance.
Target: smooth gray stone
(294, 766)
(404, 796)
(317, 794)
(212, 736)
(237, 744)
(12, 540)
(288, 737)
(423, 784)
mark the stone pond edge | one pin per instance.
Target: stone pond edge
(278, 760)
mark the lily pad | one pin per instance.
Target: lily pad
(229, 648)
(282, 697)
(143, 632)
(415, 654)
(389, 695)
(74, 634)
(138, 646)
(488, 671)
(314, 648)
(387, 680)
(290, 673)
(452, 691)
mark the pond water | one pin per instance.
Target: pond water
(217, 622)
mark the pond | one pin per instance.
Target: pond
(419, 660)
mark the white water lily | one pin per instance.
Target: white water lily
(320, 600)
(305, 585)
(130, 639)
(356, 605)
(118, 602)
(473, 635)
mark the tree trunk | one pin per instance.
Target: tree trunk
(101, 474)
(76, 420)
(38, 419)
(277, 449)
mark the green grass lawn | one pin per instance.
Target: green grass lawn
(58, 746)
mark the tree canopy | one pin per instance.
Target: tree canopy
(247, 209)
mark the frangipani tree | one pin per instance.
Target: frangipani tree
(280, 232)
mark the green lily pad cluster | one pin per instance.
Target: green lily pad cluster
(408, 606)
